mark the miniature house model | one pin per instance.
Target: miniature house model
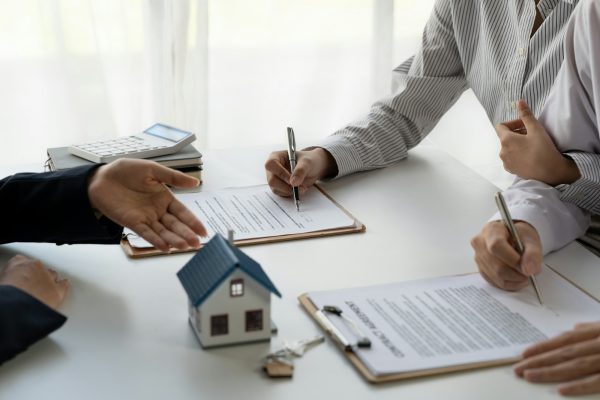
(229, 295)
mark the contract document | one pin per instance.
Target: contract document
(452, 322)
(256, 212)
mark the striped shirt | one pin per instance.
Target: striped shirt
(571, 116)
(484, 45)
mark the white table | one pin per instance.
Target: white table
(128, 338)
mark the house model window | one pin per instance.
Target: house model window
(219, 325)
(254, 320)
(236, 288)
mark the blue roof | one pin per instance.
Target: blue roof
(210, 266)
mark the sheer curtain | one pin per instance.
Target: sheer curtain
(311, 64)
(79, 70)
(236, 72)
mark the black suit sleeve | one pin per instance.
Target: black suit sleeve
(23, 321)
(47, 207)
(52, 207)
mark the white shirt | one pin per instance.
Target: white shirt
(571, 116)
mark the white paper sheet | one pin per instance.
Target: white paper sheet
(454, 320)
(255, 212)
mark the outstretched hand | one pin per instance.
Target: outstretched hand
(133, 194)
(571, 359)
(529, 152)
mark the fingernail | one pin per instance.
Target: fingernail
(294, 181)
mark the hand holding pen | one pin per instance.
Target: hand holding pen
(498, 260)
(516, 238)
(311, 165)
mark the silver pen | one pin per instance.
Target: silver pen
(292, 157)
(508, 222)
(332, 331)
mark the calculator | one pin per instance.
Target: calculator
(158, 140)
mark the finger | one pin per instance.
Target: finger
(558, 356)
(497, 242)
(63, 285)
(278, 186)
(588, 385)
(18, 258)
(53, 274)
(561, 340)
(588, 325)
(151, 237)
(497, 280)
(171, 238)
(526, 115)
(565, 371)
(173, 177)
(278, 167)
(181, 230)
(183, 214)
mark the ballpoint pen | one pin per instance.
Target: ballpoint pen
(508, 222)
(292, 157)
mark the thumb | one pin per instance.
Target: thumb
(173, 177)
(300, 173)
(527, 116)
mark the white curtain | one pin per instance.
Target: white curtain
(80, 70)
(235, 72)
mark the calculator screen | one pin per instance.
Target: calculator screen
(166, 132)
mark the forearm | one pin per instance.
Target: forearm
(52, 207)
(23, 321)
(426, 86)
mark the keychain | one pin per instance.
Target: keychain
(280, 364)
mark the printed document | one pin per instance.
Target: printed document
(256, 212)
(452, 321)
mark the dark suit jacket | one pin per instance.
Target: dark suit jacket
(47, 207)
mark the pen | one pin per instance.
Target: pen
(335, 334)
(508, 222)
(292, 157)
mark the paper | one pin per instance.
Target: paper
(255, 212)
(456, 320)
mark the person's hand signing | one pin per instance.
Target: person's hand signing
(133, 194)
(499, 262)
(529, 152)
(311, 165)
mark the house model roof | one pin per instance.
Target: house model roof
(213, 264)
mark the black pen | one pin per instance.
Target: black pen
(292, 157)
(508, 222)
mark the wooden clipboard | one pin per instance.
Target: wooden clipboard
(358, 226)
(310, 307)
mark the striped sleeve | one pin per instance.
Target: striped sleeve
(427, 85)
(585, 192)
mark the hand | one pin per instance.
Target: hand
(572, 358)
(529, 152)
(311, 165)
(132, 193)
(498, 261)
(34, 279)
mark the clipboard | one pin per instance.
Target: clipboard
(364, 370)
(134, 252)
